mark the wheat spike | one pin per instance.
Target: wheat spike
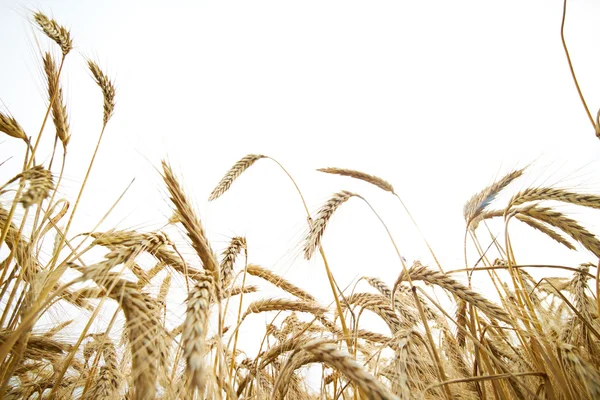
(280, 282)
(233, 173)
(190, 221)
(108, 90)
(39, 185)
(329, 354)
(265, 305)
(194, 331)
(477, 204)
(546, 193)
(59, 109)
(228, 259)
(318, 225)
(567, 225)
(419, 272)
(372, 179)
(54, 31)
(11, 127)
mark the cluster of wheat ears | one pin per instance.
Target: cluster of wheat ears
(535, 339)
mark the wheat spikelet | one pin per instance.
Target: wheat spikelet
(317, 226)
(477, 204)
(11, 127)
(567, 225)
(265, 305)
(546, 193)
(419, 272)
(374, 180)
(194, 331)
(233, 173)
(59, 109)
(228, 259)
(108, 90)
(54, 31)
(280, 282)
(190, 221)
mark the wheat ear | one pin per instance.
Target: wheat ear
(54, 31)
(479, 201)
(372, 179)
(233, 173)
(190, 221)
(318, 225)
(59, 109)
(108, 90)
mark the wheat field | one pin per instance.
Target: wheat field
(89, 315)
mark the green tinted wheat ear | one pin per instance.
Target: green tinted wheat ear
(318, 225)
(108, 90)
(374, 180)
(59, 110)
(233, 173)
(54, 31)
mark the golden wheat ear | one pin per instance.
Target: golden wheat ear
(479, 201)
(108, 90)
(55, 95)
(318, 225)
(11, 127)
(55, 31)
(233, 173)
(372, 179)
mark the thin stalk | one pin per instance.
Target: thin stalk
(564, 43)
(327, 269)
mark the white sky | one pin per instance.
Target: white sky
(438, 97)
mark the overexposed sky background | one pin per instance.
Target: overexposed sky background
(438, 97)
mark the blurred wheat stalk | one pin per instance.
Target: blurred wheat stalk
(541, 341)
